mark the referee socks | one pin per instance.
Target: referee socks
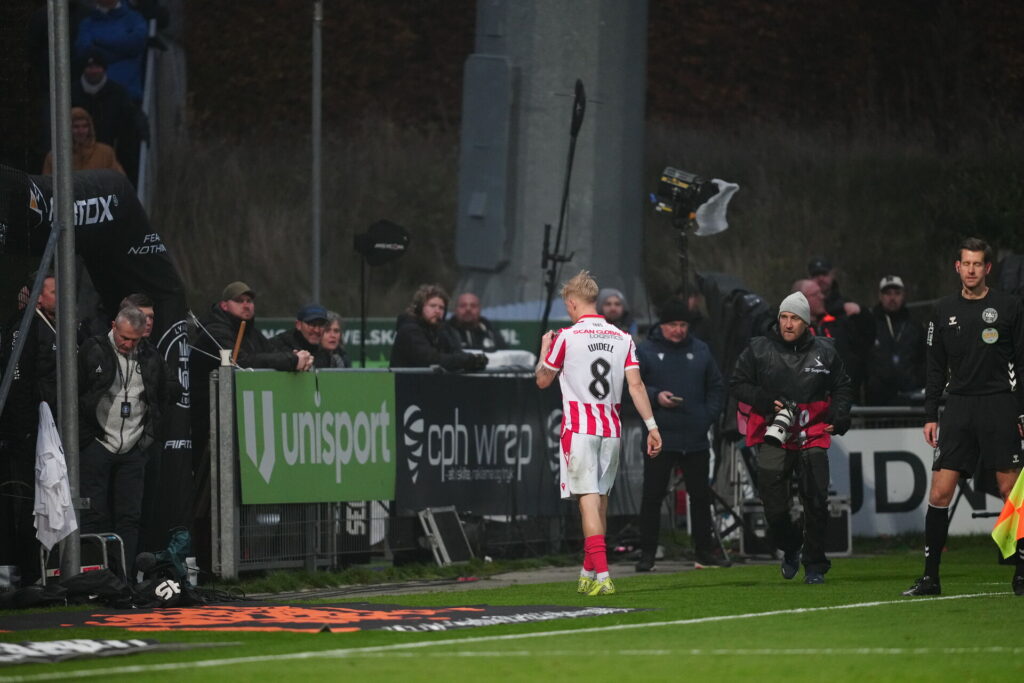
(936, 529)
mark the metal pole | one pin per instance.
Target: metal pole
(318, 20)
(228, 494)
(64, 220)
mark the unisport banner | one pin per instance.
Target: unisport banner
(316, 437)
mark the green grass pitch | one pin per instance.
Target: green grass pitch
(742, 623)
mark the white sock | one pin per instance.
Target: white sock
(587, 573)
(602, 576)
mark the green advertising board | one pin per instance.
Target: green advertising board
(315, 438)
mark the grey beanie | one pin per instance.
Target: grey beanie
(796, 303)
(611, 291)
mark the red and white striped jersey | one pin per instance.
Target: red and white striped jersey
(593, 356)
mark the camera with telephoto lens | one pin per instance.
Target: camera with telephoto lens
(778, 431)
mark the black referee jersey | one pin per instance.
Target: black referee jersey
(977, 345)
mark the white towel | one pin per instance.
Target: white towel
(55, 515)
(711, 214)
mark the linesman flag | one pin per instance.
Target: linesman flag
(1009, 527)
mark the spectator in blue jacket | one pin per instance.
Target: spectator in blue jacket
(687, 392)
(119, 34)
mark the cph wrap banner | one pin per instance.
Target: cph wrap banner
(315, 437)
(487, 445)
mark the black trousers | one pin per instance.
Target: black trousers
(18, 544)
(113, 483)
(777, 468)
(657, 472)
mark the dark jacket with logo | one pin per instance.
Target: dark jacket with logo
(420, 345)
(975, 348)
(897, 356)
(687, 369)
(807, 371)
(97, 369)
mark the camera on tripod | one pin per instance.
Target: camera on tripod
(778, 430)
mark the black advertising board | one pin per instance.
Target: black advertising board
(489, 446)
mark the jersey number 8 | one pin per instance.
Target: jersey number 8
(600, 387)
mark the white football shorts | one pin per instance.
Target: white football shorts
(588, 464)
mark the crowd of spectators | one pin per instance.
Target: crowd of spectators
(109, 39)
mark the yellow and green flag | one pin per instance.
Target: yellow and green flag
(1010, 525)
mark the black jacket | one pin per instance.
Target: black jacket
(481, 337)
(687, 369)
(255, 351)
(808, 371)
(292, 340)
(35, 375)
(97, 368)
(975, 347)
(419, 345)
(897, 357)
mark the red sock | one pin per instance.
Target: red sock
(596, 553)
(588, 561)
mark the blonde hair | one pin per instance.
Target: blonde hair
(582, 287)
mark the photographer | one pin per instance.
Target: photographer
(797, 393)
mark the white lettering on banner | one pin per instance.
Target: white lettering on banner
(92, 210)
(887, 473)
(447, 447)
(321, 438)
(355, 519)
(377, 337)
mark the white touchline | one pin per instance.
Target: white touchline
(364, 651)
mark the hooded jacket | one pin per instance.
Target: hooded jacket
(687, 369)
(807, 371)
(89, 154)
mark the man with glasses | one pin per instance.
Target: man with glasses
(305, 337)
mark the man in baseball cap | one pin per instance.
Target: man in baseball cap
(896, 366)
(309, 328)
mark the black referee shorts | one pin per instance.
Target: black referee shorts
(977, 429)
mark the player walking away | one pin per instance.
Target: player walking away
(593, 357)
(976, 344)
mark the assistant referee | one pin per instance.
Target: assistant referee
(976, 346)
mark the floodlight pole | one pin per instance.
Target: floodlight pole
(317, 135)
(64, 221)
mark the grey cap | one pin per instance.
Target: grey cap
(235, 290)
(796, 303)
